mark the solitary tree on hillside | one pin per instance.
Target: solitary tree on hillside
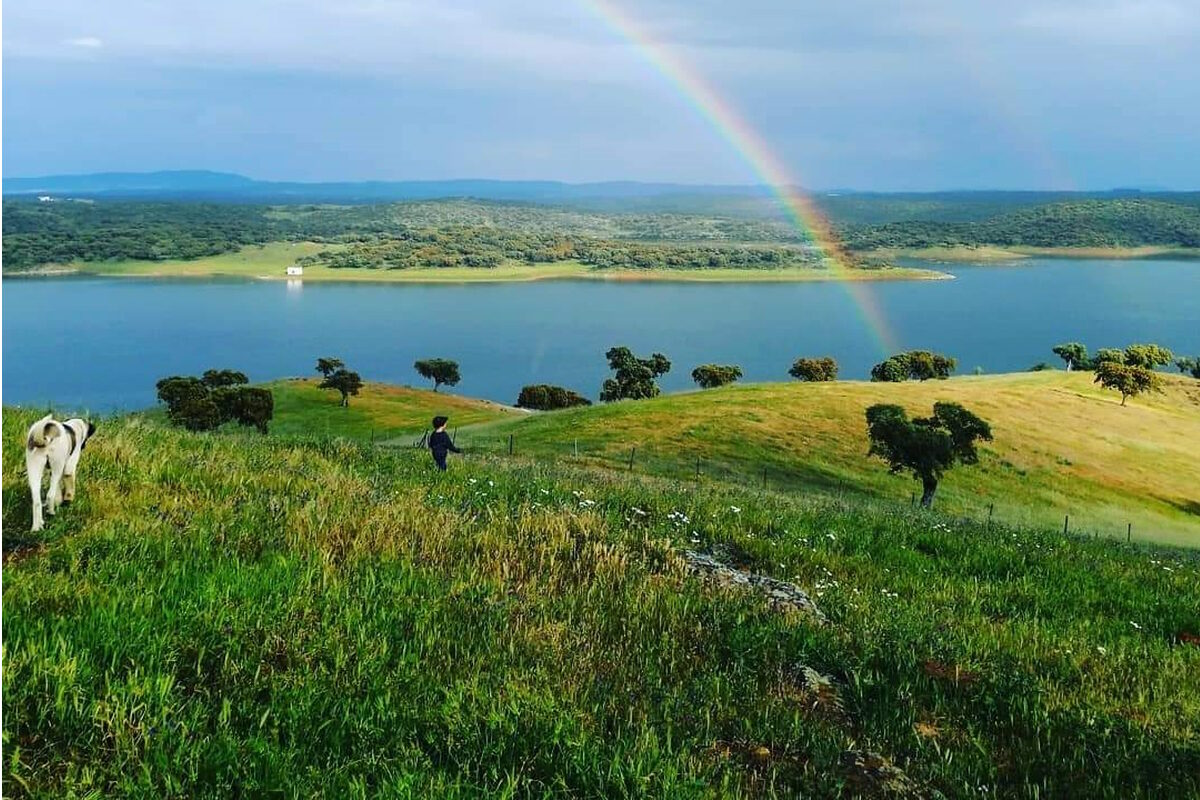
(328, 366)
(710, 376)
(634, 379)
(814, 369)
(344, 381)
(439, 370)
(1129, 381)
(927, 447)
(1074, 354)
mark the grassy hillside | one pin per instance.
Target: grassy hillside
(379, 411)
(1062, 445)
(237, 615)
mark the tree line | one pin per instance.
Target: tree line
(473, 234)
(1130, 371)
(1088, 223)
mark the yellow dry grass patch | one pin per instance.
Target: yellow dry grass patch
(379, 411)
(1062, 445)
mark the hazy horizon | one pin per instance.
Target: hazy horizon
(742, 187)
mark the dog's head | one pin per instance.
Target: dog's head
(91, 430)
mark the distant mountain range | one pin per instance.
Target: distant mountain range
(199, 184)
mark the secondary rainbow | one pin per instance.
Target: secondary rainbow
(720, 114)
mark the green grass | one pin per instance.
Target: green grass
(1062, 446)
(237, 615)
(378, 412)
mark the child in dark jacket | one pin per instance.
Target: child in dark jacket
(440, 443)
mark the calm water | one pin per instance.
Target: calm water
(101, 344)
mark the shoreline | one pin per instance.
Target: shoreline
(518, 274)
(269, 262)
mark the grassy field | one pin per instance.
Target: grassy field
(236, 615)
(1063, 446)
(380, 411)
(271, 261)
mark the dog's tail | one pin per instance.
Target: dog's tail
(42, 432)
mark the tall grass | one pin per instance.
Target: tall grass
(227, 615)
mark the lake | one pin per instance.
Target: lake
(101, 343)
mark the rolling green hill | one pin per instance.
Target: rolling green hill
(1063, 446)
(237, 615)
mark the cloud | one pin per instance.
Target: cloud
(1121, 22)
(867, 93)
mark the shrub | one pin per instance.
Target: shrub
(915, 364)
(710, 376)
(214, 378)
(544, 397)
(199, 405)
(814, 369)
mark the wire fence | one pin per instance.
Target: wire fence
(672, 461)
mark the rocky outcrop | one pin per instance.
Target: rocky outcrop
(872, 775)
(780, 595)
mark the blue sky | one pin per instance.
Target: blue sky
(864, 94)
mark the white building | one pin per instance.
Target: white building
(45, 198)
(295, 270)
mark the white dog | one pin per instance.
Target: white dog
(58, 444)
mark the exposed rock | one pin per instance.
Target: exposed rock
(780, 595)
(873, 775)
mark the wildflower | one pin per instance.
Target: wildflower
(735, 509)
(1135, 625)
(1102, 650)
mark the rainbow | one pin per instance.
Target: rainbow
(730, 125)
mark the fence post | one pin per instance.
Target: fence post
(577, 448)
(697, 469)
(454, 436)
(510, 444)
(632, 450)
(1129, 533)
(991, 508)
(1066, 522)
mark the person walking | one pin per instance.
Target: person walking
(440, 443)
